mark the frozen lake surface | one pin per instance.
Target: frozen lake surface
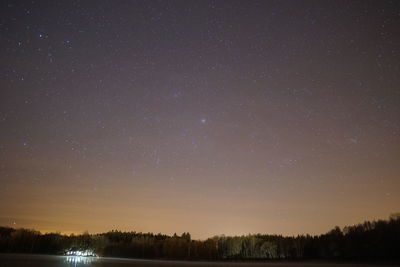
(22, 260)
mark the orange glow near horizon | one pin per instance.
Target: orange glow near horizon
(207, 117)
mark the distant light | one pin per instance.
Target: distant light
(203, 121)
(79, 259)
(81, 253)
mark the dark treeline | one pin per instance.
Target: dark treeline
(377, 240)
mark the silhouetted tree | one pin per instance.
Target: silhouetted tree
(377, 240)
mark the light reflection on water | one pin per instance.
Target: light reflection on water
(79, 260)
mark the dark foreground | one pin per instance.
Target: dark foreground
(21, 260)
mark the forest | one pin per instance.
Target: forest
(373, 241)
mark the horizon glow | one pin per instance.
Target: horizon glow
(226, 117)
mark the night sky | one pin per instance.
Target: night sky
(212, 117)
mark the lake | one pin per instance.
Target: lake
(22, 260)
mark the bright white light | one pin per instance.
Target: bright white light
(79, 259)
(83, 253)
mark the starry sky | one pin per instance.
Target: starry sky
(212, 117)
